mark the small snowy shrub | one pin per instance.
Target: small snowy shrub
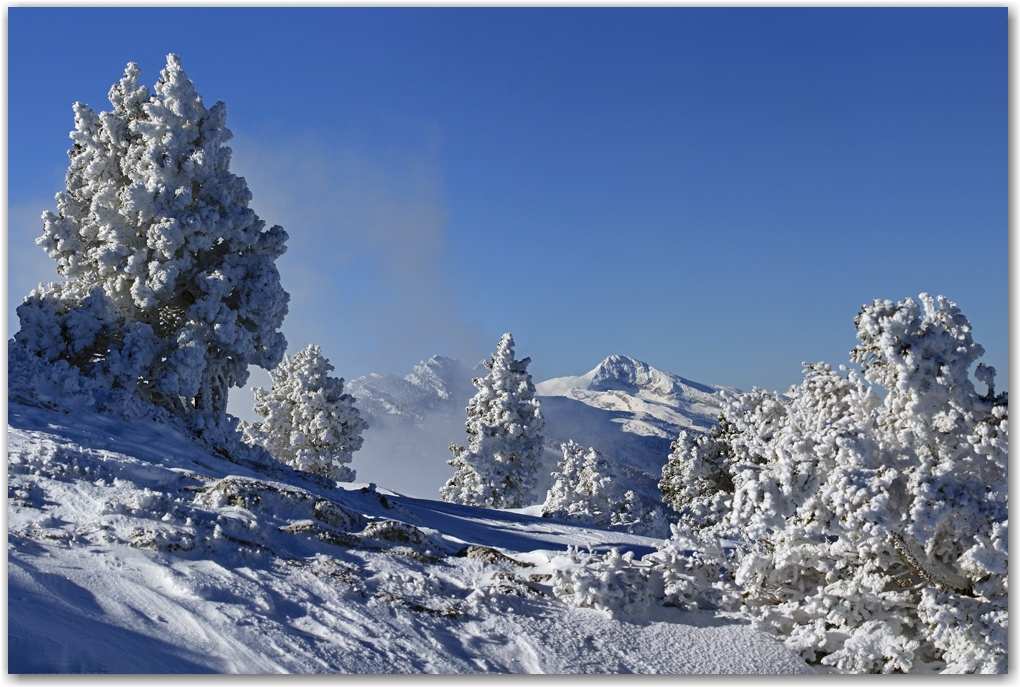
(33, 381)
(696, 570)
(874, 529)
(614, 583)
(171, 287)
(87, 333)
(308, 421)
(499, 467)
(587, 489)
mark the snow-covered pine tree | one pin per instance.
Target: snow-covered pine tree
(499, 467)
(583, 488)
(586, 488)
(171, 288)
(874, 529)
(695, 481)
(308, 421)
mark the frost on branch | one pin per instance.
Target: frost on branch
(171, 289)
(874, 529)
(308, 421)
(498, 468)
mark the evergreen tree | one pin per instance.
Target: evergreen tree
(171, 288)
(695, 481)
(308, 421)
(499, 467)
(587, 488)
(583, 488)
(875, 527)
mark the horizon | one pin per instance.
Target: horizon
(712, 191)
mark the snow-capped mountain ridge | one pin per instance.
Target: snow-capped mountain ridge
(447, 377)
(621, 370)
(625, 408)
(632, 376)
(437, 384)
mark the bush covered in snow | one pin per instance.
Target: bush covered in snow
(614, 583)
(587, 489)
(499, 467)
(874, 529)
(171, 289)
(308, 421)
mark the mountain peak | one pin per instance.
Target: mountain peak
(623, 373)
(442, 375)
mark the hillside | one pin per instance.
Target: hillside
(132, 549)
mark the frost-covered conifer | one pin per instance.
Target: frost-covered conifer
(498, 469)
(583, 489)
(308, 421)
(171, 287)
(586, 488)
(874, 529)
(695, 481)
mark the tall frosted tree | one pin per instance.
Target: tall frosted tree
(875, 525)
(171, 288)
(308, 421)
(499, 467)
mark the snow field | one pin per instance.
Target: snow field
(132, 550)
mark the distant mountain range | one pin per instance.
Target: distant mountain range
(438, 386)
(627, 409)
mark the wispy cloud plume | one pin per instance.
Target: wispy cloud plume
(367, 265)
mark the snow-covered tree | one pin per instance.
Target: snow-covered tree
(583, 489)
(695, 479)
(586, 488)
(171, 288)
(875, 528)
(308, 421)
(499, 467)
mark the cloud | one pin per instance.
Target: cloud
(367, 266)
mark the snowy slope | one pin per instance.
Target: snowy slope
(131, 549)
(625, 408)
(629, 411)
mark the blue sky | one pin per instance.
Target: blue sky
(713, 191)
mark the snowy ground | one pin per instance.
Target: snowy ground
(130, 549)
